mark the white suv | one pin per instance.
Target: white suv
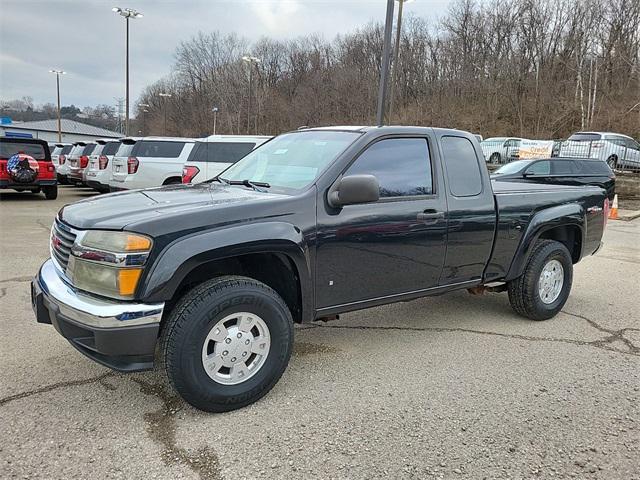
(149, 162)
(501, 149)
(98, 173)
(619, 151)
(216, 153)
(59, 156)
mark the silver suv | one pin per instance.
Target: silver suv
(619, 151)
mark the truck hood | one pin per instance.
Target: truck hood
(165, 205)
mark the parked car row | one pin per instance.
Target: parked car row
(618, 151)
(142, 162)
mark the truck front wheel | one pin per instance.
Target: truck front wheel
(543, 288)
(227, 343)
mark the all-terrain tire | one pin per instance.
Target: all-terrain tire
(524, 294)
(193, 318)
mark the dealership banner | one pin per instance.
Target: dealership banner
(535, 149)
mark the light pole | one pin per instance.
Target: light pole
(215, 117)
(384, 67)
(396, 54)
(58, 73)
(165, 96)
(250, 60)
(144, 107)
(127, 13)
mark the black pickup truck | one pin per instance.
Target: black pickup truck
(309, 225)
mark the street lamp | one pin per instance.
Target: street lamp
(127, 13)
(144, 107)
(396, 54)
(250, 60)
(58, 73)
(384, 67)
(165, 96)
(215, 117)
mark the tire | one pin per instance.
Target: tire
(524, 293)
(50, 192)
(186, 337)
(495, 158)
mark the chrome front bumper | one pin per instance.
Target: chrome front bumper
(117, 334)
(92, 311)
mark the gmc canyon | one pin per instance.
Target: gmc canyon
(311, 224)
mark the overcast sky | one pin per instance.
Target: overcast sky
(86, 39)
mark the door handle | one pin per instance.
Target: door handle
(430, 216)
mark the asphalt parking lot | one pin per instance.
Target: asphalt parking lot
(455, 386)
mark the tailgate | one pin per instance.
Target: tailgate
(119, 168)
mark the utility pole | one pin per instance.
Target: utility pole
(215, 117)
(396, 55)
(120, 113)
(127, 13)
(250, 60)
(144, 110)
(58, 73)
(384, 68)
(165, 96)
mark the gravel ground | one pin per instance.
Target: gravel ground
(455, 386)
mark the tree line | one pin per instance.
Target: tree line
(531, 68)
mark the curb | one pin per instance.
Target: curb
(628, 215)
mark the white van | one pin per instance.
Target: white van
(216, 153)
(149, 162)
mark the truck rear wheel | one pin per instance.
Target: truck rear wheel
(543, 288)
(227, 343)
(50, 192)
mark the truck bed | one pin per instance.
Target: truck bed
(518, 205)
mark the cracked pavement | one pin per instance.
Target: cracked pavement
(455, 386)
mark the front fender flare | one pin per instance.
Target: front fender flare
(183, 255)
(571, 214)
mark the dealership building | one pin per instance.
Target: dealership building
(47, 130)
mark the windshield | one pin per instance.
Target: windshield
(512, 167)
(293, 160)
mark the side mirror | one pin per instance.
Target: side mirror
(354, 189)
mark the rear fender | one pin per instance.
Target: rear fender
(571, 214)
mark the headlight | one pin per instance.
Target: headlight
(108, 263)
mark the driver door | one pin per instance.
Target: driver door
(393, 246)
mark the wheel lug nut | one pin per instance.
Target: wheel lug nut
(233, 359)
(225, 353)
(246, 342)
(228, 340)
(244, 354)
(239, 335)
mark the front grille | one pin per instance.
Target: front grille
(62, 238)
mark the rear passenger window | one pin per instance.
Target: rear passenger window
(563, 168)
(401, 165)
(227, 152)
(150, 148)
(66, 149)
(463, 171)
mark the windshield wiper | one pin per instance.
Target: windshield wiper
(246, 183)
